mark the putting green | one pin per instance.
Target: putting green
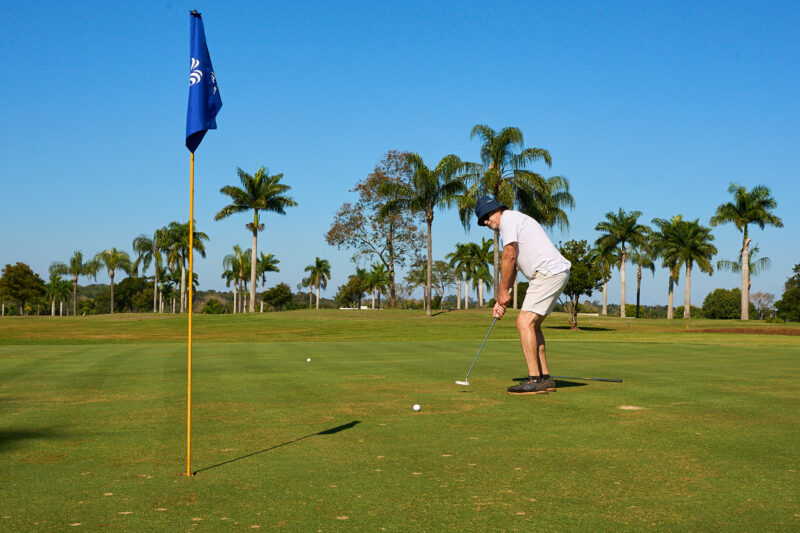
(701, 435)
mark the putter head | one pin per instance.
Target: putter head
(465, 383)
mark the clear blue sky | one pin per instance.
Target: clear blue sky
(655, 108)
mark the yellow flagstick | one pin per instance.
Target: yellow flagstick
(191, 279)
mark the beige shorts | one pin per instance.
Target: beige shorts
(543, 291)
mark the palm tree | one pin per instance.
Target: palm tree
(621, 229)
(306, 282)
(363, 278)
(502, 174)
(259, 192)
(756, 267)
(378, 281)
(642, 256)
(266, 263)
(748, 207)
(480, 280)
(427, 191)
(172, 279)
(149, 251)
(76, 267)
(458, 261)
(231, 276)
(479, 259)
(246, 266)
(660, 241)
(176, 243)
(57, 289)
(319, 273)
(690, 244)
(605, 258)
(113, 260)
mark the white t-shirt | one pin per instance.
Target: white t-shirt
(535, 250)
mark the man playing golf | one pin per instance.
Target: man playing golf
(526, 246)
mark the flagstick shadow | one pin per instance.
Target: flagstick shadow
(330, 431)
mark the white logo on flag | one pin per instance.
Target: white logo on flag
(196, 74)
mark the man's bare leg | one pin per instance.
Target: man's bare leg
(537, 327)
(527, 325)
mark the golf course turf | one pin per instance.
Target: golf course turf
(702, 435)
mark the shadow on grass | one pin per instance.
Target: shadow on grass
(560, 384)
(330, 431)
(581, 328)
(11, 437)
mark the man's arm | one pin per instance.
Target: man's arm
(507, 266)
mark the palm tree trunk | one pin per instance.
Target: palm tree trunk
(310, 292)
(430, 267)
(318, 293)
(605, 297)
(466, 293)
(622, 284)
(379, 300)
(392, 286)
(155, 289)
(638, 288)
(253, 261)
(112, 291)
(183, 288)
(670, 298)
(687, 292)
(458, 300)
(53, 307)
(61, 308)
(745, 277)
(373, 299)
(480, 292)
(75, 295)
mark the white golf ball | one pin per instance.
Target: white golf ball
(416, 407)
(308, 360)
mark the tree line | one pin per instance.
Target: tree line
(403, 191)
(391, 222)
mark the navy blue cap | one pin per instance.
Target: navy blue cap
(484, 207)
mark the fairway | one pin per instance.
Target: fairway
(702, 434)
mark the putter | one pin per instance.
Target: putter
(466, 380)
(590, 379)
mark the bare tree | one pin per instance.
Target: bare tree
(391, 239)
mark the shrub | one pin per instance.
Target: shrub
(696, 312)
(214, 307)
(725, 304)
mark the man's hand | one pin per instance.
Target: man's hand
(503, 298)
(499, 310)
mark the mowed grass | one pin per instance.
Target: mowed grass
(702, 434)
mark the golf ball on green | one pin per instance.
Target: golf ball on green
(416, 407)
(308, 360)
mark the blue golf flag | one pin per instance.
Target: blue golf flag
(204, 100)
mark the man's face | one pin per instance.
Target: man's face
(493, 222)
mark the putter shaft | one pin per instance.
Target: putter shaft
(479, 350)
